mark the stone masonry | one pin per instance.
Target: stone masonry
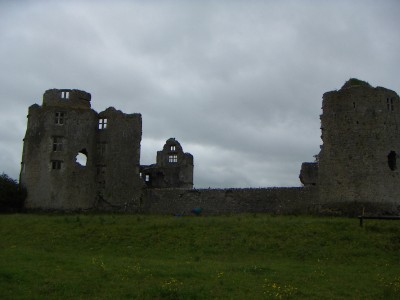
(361, 144)
(65, 128)
(357, 168)
(174, 168)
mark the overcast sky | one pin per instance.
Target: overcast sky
(238, 83)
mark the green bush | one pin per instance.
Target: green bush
(12, 194)
(355, 82)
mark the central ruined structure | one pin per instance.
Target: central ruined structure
(77, 159)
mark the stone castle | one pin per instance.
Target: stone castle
(75, 158)
(355, 170)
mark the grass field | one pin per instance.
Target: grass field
(109, 256)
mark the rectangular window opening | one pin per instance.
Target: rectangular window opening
(101, 149)
(147, 178)
(57, 143)
(102, 123)
(173, 148)
(56, 164)
(173, 158)
(389, 104)
(59, 119)
(64, 95)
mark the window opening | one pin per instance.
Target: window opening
(57, 143)
(101, 148)
(173, 158)
(59, 120)
(173, 148)
(64, 95)
(81, 158)
(102, 123)
(354, 105)
(56, 164)
(147, 178)
(392, 160)
(389, 104)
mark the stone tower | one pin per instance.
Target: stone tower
(174, 168)
(361, 145)
(63, 130)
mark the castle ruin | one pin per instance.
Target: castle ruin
(361, 143)
(173, 169)
(77, 159)
(357, 166)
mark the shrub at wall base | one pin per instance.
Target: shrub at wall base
(12, 194)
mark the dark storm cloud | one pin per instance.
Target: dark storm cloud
(238, 83)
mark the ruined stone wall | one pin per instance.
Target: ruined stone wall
(282, 201)
(174, 168)
(357, 168)
(118, 160)
(226, 201)
(56, 132)
(67, 98)
(309, 173)
(361, 145)
(65, 126)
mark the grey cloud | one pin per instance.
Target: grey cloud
(238, 83)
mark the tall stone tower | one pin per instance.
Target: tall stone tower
(63, 130)
(359, 158)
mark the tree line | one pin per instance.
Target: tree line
(12, 194)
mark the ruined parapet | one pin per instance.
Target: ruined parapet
(67, 98)
(174, 168)
(361, 144)
(76, 159)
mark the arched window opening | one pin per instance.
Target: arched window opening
(392, 160)
(81, 158)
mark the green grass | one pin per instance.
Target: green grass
(109, 256)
